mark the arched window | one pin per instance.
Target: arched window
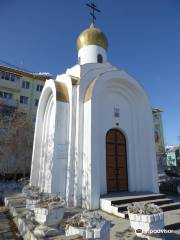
(99, 58)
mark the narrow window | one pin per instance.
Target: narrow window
(116, 112)
(23, 99)
(25, 84)
(99, 58)
(79, 60)
(39, 88)
(6, 95)
(7, 76)
(13, 77)
(36, 102)
(9, 96)
(3, 75)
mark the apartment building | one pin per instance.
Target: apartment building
(20, 90)
(159, 140)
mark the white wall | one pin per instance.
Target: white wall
(47, 96)
(61, 148)
(88, 54)
(78, 163)
(117, 89)
(51, 150)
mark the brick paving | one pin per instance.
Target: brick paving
(8, 230)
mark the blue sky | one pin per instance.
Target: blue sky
(144, 40)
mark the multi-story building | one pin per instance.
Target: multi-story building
(20, 90)
(178, 157)
(171, 156)
(159, 140)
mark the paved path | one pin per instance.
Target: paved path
(8, 229)
(120, 228)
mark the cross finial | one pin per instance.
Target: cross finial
(93, 8)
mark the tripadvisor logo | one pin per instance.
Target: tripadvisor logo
(139, 231)
(160, 231)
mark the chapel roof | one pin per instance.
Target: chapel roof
(92, 36)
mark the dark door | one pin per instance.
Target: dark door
(116, 161)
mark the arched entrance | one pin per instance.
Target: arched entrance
(116, 161)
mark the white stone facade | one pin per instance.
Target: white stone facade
(89, 54)
(74, 114)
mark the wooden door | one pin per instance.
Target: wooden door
(116, 161)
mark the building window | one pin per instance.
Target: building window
(99, 58)
(39, 88)
(13, 77)
(36, 102)
(156, 116)
(23, 99)
(79, 60)
(116, 112)
(6, 95)
(2, 74)
(9, 76)
(26, 84)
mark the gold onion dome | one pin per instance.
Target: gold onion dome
(92, 36)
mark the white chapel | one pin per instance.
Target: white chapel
(94, 130)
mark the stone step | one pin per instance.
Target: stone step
(173, 226)
(110, 202)
(123, 207)
(170, 206)
(124, 214)
(164, 207)
(139, 198)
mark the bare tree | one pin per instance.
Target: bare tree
(16, 144)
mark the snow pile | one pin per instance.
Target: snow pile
(44, 74)
(171, 146)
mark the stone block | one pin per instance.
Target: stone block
(147, 222)
(50, 216)
(102, 233)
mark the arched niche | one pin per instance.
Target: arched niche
(53, 100)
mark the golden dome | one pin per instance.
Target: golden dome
(92, 36)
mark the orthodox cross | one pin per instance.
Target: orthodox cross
(93, 7)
